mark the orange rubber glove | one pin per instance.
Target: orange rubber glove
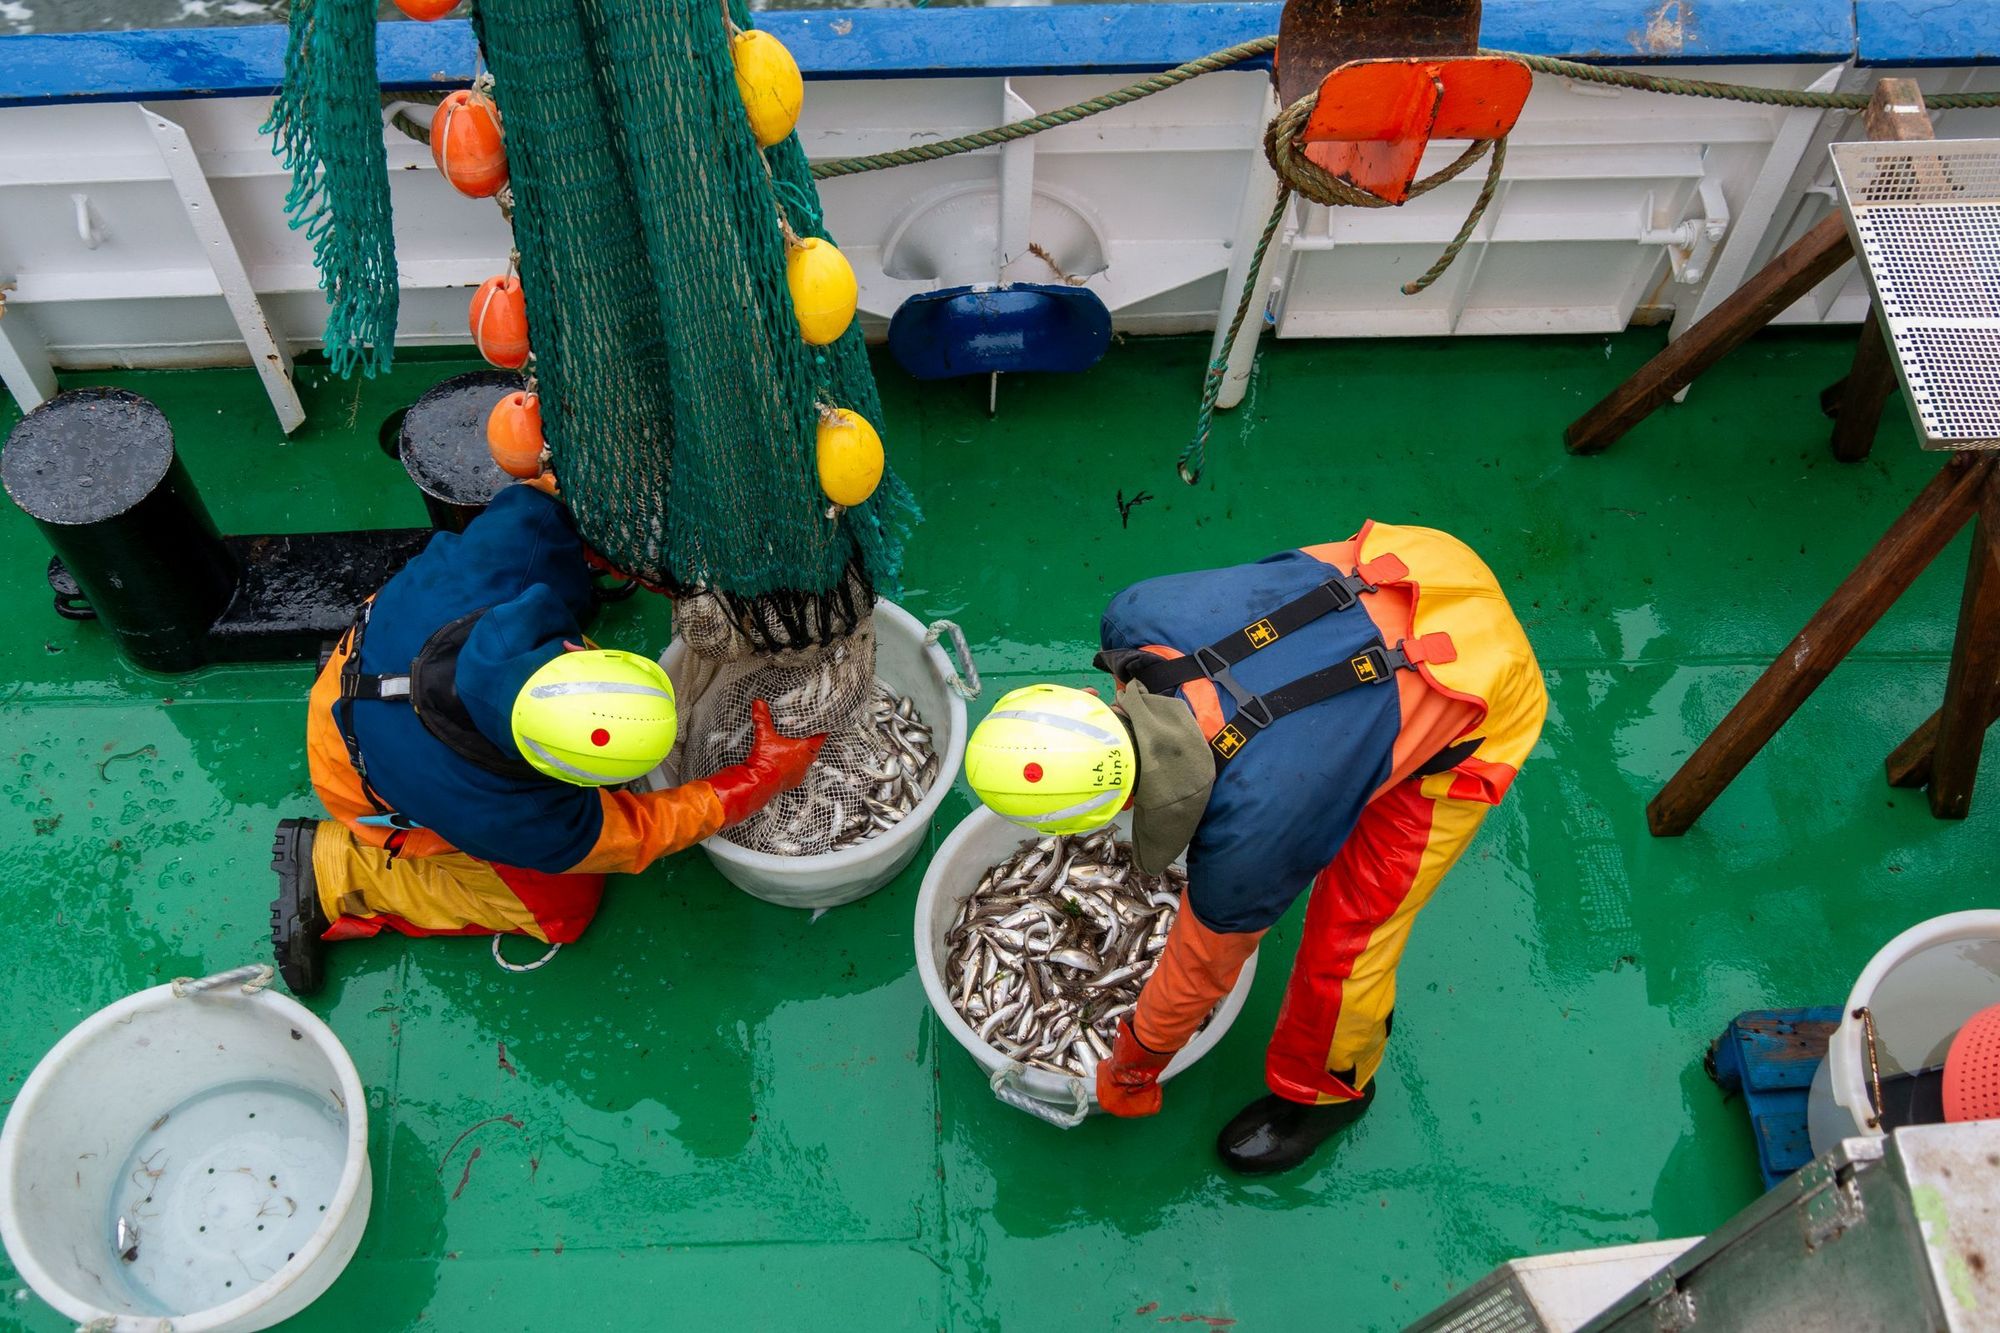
(1196, 969)
(775, 764)
(1128, 1084)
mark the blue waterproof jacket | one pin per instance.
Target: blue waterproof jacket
(1282, 807)
(521, 564)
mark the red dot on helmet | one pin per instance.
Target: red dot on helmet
(600, 737)
(1033, 772)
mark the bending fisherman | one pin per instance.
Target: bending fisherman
(1341, 716)
(472, 751)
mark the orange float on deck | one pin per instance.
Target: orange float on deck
(1374, 118)
(498, 318)
(426, 10)
(514, 434)
(466, 145)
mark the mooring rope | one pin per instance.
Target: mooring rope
(1048, 120)
(1732, 92)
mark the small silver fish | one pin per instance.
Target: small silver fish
(127, 1240)
(1090, 928)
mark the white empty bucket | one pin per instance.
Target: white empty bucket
(983, 841)
(924, 674)
(1919, 990)
(224, 1125)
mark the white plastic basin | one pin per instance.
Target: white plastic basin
(1919, 989)
(229, 1129)
(975, 846)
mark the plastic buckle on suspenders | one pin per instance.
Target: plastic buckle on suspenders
(1347, 589)
(1216, 669)
(1375, 664)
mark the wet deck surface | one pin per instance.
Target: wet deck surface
(716, 1110)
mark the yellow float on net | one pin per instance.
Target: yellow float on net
(823, 290)
(850, 457)
(767, 79)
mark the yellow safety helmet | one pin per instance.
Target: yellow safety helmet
(596, 718)
(1054, 758)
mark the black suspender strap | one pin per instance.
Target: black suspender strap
(351, 689)
(1343, 591)
(1374, 665)
(1256, 712)
(356, 684)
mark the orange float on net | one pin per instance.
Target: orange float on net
(426, 10)
(465, 144)
(514, 434)
(498, 319)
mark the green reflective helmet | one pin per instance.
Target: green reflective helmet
(1056, 759)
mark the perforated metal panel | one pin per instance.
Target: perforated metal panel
(1494, 1305)
(1925, 218)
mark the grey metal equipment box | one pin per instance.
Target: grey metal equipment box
(1900, 1235)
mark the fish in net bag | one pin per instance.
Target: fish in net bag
(879, 758)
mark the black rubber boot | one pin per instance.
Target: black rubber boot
(297, 920)
(1274, 1133)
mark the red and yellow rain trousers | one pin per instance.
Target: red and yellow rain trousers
(1371, 796)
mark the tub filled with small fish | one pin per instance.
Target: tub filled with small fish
(1033, 949)
(865, 808)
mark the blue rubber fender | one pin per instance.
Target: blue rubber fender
(1023, 326)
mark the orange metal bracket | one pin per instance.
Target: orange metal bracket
(1375, 117)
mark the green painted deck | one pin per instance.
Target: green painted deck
(717, 1111)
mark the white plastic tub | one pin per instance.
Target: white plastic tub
(229, 1128)
(983, 841)
(1919, 990)
(923, 673)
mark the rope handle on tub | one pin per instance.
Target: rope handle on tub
(1006, 1085)
(253, 978)
(966, 686)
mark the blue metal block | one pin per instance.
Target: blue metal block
(1024, 326)
(1055, 39)
(1770, 1056)
(1924, 32)
(1709, 30)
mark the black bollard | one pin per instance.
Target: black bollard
(443, 446)
(96, 470)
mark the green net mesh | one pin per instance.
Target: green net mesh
(326, 128)
(679, 400)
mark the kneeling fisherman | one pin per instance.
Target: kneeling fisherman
(1341, 716)
(472, 748)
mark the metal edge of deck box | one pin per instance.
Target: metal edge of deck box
(41, 68)
(1551, 1293)
(1880, 1234)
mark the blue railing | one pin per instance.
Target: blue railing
(1061, 39)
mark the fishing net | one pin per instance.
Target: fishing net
(877, 761)
(679, 401)
(326, 129)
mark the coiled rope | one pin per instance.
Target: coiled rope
(1300, 175)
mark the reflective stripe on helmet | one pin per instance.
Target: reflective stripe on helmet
(582, 775)
(1097, 802)
(596, 687)
(1070, 724)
